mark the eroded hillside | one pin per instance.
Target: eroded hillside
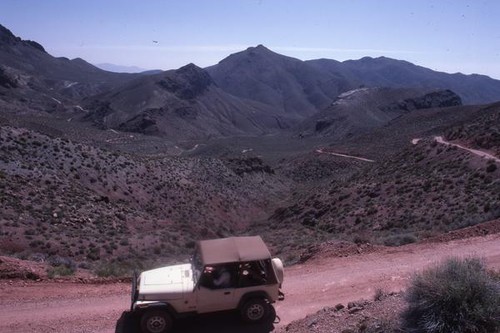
(482, 133)
(104, 166)
(79, 201)
(422, 190)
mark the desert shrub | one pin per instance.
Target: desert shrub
(84, 265)
(56, 261)
(379, 294)
(491, 167)
(116, 268)
(495, 275)
(38, 257)
(61, 266)
(62, 270)
(362, 238)
(93, 253)
(108, 269)
(456, 296)
(398, 240)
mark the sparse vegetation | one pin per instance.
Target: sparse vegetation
(107, 269)
(56, 271)
(91, 198)
(456, 296)
(103, 202)
(60, 266)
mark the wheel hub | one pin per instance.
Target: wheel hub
(255, 312)
(156, 324)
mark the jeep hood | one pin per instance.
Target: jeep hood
(166, 283)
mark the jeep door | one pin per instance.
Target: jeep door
(211, 300)
(212, 296)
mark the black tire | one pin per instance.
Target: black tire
(156, 321)
(255, 310)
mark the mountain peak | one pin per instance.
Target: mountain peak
(191, 72)
(6, 36)
(187, 82)
(258, 50)
(189, 67)
(377, 60)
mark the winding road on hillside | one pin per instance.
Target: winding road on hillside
(321, 151)
(75, 307)
(480, 153)
(415, 141)
(477, 152)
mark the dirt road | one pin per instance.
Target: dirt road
(477, 152)
(70, 307)
(480, 153)
(321, 151)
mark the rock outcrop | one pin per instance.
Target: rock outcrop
(435, 99)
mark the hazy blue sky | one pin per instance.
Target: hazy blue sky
(446, 35)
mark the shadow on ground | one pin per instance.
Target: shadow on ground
(226, 322)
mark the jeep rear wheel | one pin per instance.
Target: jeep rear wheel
(255, 310)
(156, 321)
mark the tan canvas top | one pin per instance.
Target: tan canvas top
(233, 249)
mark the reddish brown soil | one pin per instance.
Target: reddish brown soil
(382, 315)
(30, 306)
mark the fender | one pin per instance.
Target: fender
(157, 306)
(253, 294)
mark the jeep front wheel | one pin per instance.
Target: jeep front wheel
(255, 310)
(156, 321)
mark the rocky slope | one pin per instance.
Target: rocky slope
(387, 72)
(361, 110)
(150, 176)
(300, 88)
(254, 92)
(180, 104)
(288, 85)
(421, 190)
(32, 79)
(78, 201)
(482, 132)
(380, 315)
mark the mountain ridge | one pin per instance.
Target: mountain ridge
(360, 110)
(40, 81)
(388, 72)
(253, 92)
(283, 82)
(179, 104)
(149, 163)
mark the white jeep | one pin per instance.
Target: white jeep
(223, 274)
